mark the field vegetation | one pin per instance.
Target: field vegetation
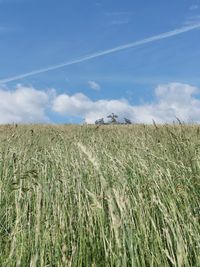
(100, 196)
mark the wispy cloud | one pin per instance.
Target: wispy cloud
(120, 21)
(94, 85)
(8, 29)
(4, 29)
(191, 20)
(119, 17)
(105, 52)
(118, 13)
(194, 7)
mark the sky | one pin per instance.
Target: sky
(78, 61)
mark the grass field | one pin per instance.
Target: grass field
(114, 196)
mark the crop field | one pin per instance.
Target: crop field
(100, 196)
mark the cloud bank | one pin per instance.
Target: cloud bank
(172, 100)
(30, 105)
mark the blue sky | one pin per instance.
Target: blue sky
(35, 34)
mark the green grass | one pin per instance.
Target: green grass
(114, 196)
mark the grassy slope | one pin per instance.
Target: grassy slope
(112, 196)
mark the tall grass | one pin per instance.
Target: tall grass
(108, 196)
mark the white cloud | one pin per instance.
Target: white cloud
(94, 85)
(27, 104)
(82, 106)
(172, 100)
(23, 105)
(75, 105)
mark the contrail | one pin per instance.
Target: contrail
(105, 52)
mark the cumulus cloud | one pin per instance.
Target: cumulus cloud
(177, 100)
(94, 85)
(30, 105)
(174, 100)
(82, 106)
(23, 105)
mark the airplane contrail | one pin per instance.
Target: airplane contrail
(105, 52)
